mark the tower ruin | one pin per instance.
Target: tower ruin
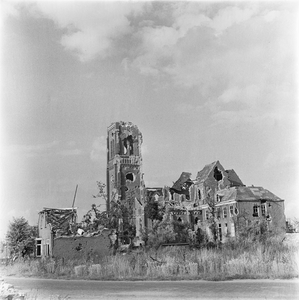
(124, 171)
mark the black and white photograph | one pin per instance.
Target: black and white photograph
(149, 149)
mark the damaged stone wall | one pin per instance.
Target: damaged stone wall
(124, 170)
(54, 222)
(273, 214)
(212, 178)
(80, 247)
(218, 196)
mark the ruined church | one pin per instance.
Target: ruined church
(216, 196)
(216, 193)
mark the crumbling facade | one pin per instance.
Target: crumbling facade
(124, 171)
(218, 202)
(83, 247)
(52, 223)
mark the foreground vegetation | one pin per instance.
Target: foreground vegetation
(273, 258)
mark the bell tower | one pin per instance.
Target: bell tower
(124, 171)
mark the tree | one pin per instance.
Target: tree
(21, 237)
(162, 232)
(212, 216)
(153, 210)
(118, 213)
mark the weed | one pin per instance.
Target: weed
(263, 259)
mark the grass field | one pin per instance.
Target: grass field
(275, 258)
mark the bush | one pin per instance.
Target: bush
(161, 233)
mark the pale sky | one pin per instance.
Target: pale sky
(203, 81)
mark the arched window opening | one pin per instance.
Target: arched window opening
(130, 177)
(128, 145)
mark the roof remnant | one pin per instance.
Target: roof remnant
(181, 186)
(219, 174)
(59, 218)
(234, 178)
(204, 173)
(244, 193)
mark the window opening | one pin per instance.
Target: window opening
(111, 149)
(217, 174)
(128, 145)
(220, 232)
(218, 212)
(130, 176)
(207, 214)
(199, 195)
(38, 248)
(224, 212)
(231, 210)
(41, 221)
(225, 229)
(263, 208)
(255, 210)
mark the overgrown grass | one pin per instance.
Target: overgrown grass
(270, 259)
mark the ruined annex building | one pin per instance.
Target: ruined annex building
(218, 197)
(124, 171)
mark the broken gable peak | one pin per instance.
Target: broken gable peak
(181, 186)
(214, 170)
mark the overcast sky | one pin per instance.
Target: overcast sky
(203, 81)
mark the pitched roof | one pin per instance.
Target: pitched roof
(255, 193)
(231, 175)
(204, 173)
(247, 193)
(233, 178)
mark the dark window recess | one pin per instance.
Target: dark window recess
(130, 177)
(255, 211)
(199, 195)
(263, 208)
(38, 248)
(218, 213)
(219, 232)
(217, 174)
(128, 145)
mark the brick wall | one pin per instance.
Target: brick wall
(80, 247)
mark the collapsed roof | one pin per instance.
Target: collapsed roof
(59, 217)
(181, 186)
